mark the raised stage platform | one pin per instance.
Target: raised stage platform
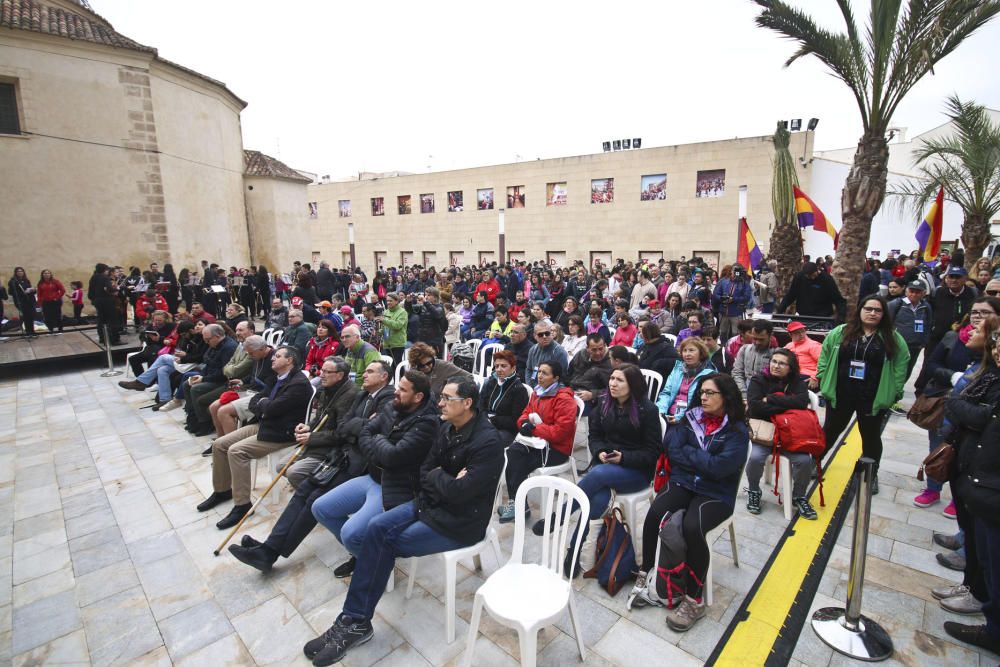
(21, 354)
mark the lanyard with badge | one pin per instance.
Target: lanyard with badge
(856, 371)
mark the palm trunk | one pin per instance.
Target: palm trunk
(975, 238)
(786, 239)
(860, 200)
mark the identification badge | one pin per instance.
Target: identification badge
(857, 370)
(918, 326)
(682, 405)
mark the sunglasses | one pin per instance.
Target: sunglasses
(543, 334)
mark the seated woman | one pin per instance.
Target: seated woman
(574, 340)
(326, 343)
(550, 415)
(482, 316)
(503, 397)
(777, 388)
(626, 331)
(707, 450)
(234, 315)
(679, 386)
(657, 353)
(595, 324)
(189, 354)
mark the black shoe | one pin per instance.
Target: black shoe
(947, 541)
(345, 569)
(258, 557)
(158, 404)
(234, 516)
(875, 485)
(134, 385)
(972, 634)
(217, 498)
(539, 527)
(208, 451)
(204, 429)
(250, 542)
(346, 636)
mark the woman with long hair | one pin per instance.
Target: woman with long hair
(23, 294)
(861, 371)
(50, 294)
(173, 292)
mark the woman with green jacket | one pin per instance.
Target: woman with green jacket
(394, 322)
(862, 370)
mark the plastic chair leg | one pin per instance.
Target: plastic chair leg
(450, 575)
(495, 541)
(707, 594)
(732, 543)
(413, 577)
(785, 467)
(391, 584)
(575, 619)
(470, 644)
(529, 646)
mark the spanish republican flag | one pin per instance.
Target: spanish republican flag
(747, 252)
(810, 216)
(929, 232)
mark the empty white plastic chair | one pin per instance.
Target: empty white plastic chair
(400, 369)
(654, 382)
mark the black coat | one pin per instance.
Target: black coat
(349, 430)
(505, 402)
(764, 385)
(658, 355)
(335, 404)
(976, 478)
(819, 297)
(640, 445)
(395, 445)
(280, 415)
(215, 360)
(325, 284)
(461, 508)
(587, 374)
(949, 309)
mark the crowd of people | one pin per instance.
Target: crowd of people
(408, 468)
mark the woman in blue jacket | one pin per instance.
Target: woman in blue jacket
(678, 388)
(707, 451)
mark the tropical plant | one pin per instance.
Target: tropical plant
(786, 239)
(879, 65)
(967, 164)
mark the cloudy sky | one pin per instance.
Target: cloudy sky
(341, 87)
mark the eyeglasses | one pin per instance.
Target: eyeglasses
(449, 399)
(869, 309)
(981, 313)
(425, 363)
(993, 292)
(543, 334)
(709, 392)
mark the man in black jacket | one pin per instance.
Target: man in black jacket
(394, 443)
(221, 350)
(814, 292)
(453, 507)
(325, 282)
(278, 410)
(590, 369)
(344, 462)
(433, 322)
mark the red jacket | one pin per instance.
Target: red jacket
(558, 413)
(492, 289)
(51, 290)
(144, 309)
(319, 351)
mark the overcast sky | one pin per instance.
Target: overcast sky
(341, 87)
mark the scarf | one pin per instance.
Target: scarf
(540, 392)
(965, 333)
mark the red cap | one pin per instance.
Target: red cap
(795, 326)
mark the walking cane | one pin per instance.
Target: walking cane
(267, 490)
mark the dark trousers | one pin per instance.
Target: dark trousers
(146, 356)
(77, 313)
(28, 320)
(702, 515)
(52, 314)
(397, 355)
(975, 560)
(869, 425)
(107, 316)
(988, 544)
(297, 520)
(522, 460)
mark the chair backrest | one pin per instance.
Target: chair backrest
(277, 335)
(529, 388)
(579, 407)
(479, 380)
(266, 333)
(484, 360)
(475, 343)
(312, 398)
(400, 369)
(654, 382)
(387, 359)
(663, 427)
(671, 337)
(813, 401)
(558, 496)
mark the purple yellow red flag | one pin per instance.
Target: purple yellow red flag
(929, 232)
(747, 252)
(809, 215)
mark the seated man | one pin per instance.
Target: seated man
(277, 317)
(520, 345)
(299, 332)
(199, 313)
(297, 520)
(589, 373)
(278, 410)
(754, 356)
(236, 370)
(395, 444)
(458, 482)
(157, 329)
(221, 350)
(226, 417)
(359, 353)
(422, 357)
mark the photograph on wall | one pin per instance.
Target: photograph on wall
(455, 202)
(515, 196)
(653, 187)
(404, 204)
(427, 203)
(711, 183)
(602, 190)
(484, 199)
(345, 208)
(555, 194)
(313, 210)
(378, 205)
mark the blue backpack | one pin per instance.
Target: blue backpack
(615, 565)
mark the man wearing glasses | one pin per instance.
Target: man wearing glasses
(359, 353)
(912, 316)
(544, 349)
(453, 507)
(423, 358)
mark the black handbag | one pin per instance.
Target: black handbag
(329, 468)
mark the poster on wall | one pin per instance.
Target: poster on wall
(484, 199)
(710, 257)
(555, 194)
(455, 201)
(403, 202)
(711, 183)
(378, 205)
(602, 190)
(427, 203)
(313, 210)
(515, 196)
(653, 187)
(344, 205)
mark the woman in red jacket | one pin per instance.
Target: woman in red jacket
(551, 416)
(325, 344)
(50, 294)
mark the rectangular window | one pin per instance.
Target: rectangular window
(427, 203)
(602, 191)
(404, 204)
(455, 201)
(484, 199)
(345, 207)
(10, 122)
(378, 206)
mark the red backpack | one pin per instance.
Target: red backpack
(799, 431)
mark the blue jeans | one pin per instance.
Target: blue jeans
(179, 394)
(602, 478)
(347, 510)
(394, 533)
(159, 372)
(935, 440)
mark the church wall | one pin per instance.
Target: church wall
(279, 223)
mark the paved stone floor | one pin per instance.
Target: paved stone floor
(104, 560)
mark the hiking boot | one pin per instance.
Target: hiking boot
(952, 561)
(963, 604)
(949, 511)
(639, 595)
(753, 501)
(948, 541)
(945, 592)
(682, 617)
(927, 498)
(507, 512)
(806, 510)
(973, 634)
(349, 633)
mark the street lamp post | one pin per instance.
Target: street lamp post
(503, 255)
(350, 239)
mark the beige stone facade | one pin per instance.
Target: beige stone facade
(628, 227)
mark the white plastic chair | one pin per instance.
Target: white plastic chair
(530, 596)
(273, 458)
(629, 502)
(482, 365)
(672, 338)
(387, 358)
(570, 463)
(654, 382)
(128, 358)
(273, 337)
(451, 559)
(400, 369)
(785, 469)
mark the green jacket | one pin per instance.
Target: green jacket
(890, 385)
(394, 320)
(359, 357)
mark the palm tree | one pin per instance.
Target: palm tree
(967, 164)
(786, 239)
(880, 65)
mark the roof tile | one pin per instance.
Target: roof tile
(257, 164)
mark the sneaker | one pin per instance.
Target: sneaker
(949, 511)
(507, 512)
(897, 409)
(973, 634)
(172, 404)
(944, 592)
(639, 595)
(348, 635)
(682, 617)
(345, 569)
(753, 501)
(806, 510)
(927, 498)
(952, 561)
(963, 604)
(948, 541)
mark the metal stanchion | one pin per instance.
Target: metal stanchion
(111, 372)
(847, 631)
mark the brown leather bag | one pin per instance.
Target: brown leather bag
(937, 465)
(927, 411)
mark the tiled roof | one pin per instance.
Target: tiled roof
(51, 20)
(256, 163)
